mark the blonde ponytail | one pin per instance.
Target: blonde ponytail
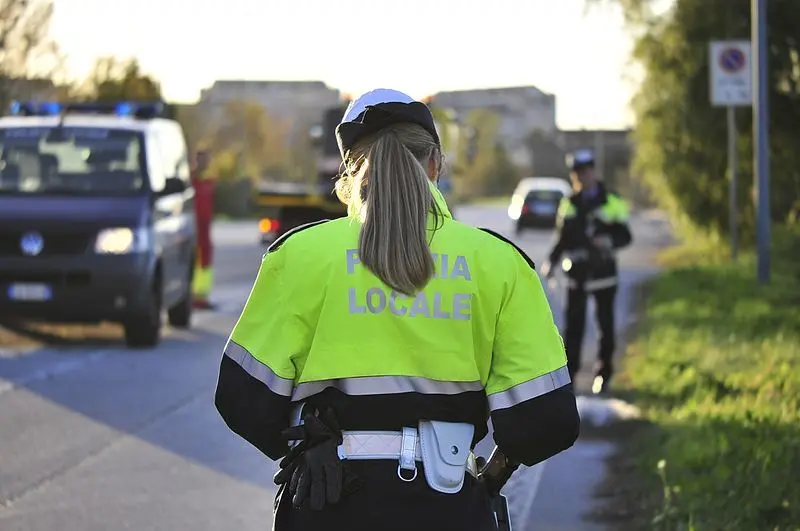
(387, 184)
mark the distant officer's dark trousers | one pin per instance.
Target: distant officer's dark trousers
(577, 299)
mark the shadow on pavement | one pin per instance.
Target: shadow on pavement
(16, 332)
(163, 397)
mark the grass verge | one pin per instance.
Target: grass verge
(715, 368)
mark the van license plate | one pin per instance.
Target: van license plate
(29, 292)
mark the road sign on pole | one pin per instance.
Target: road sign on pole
(730, 69)
(761, 137)
(731, 73)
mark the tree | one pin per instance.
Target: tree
(446, 127)
(502, 176)
(302, 154)
(114, 79)
(259, 143)
(680, 138)
(548, 159)
(28, 57)
(487, 168)
(195, 123)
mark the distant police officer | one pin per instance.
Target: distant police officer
(385, 340)
(592, 225)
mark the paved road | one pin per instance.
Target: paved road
(100, 438)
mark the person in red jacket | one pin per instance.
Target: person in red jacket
(204, 213)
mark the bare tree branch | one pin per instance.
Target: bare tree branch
(28, 57)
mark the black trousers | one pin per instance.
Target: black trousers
(577, 299)
(386, 503)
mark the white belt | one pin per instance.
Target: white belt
(407, 447)
(389, 445)
(580, 255)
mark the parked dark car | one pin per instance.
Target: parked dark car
(535, 202)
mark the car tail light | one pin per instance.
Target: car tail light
(525, 209)
(268, 225)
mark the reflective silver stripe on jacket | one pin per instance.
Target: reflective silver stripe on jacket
(258, 370)
(384, 385)
(539, 386)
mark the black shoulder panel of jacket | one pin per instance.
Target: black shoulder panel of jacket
(251, 409)
(608, 190)
(289, 233)
(512, 244)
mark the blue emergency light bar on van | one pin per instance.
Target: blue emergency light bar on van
(143, 110)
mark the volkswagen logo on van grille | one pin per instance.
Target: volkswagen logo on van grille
(31, 243)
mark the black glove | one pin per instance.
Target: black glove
(313, 469)
(290, 462)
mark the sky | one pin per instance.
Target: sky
(417, 46)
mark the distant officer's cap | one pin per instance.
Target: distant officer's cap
(581, 158)
(378, 109)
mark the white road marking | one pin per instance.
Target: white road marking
(522, 490)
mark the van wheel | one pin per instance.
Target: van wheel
(143, 329)
(180, 315)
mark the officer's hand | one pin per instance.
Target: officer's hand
(547, 270)
(486, 479)
(495, 473)
(603, 243)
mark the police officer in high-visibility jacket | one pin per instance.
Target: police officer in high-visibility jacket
(386, 339)
(592, 225)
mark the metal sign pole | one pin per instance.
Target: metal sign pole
(731, 86)
(733, 165)
(761, 135)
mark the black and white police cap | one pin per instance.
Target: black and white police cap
(580, 158)
(377, 109)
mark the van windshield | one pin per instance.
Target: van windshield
(71, 160)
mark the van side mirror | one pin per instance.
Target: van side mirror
(173, 185)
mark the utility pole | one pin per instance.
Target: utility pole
(761, 136)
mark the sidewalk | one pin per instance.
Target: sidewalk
(566, 498)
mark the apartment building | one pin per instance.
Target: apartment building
(299, 103)
(522, 110)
